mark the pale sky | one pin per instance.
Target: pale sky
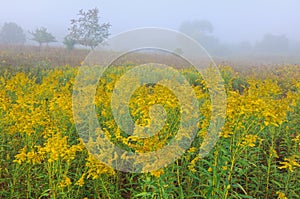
(233, 20)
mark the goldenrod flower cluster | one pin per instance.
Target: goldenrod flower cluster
(38, 133)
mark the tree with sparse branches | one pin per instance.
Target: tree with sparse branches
(87, 31)
(11, 33)
(41, 36)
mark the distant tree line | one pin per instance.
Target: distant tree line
(13, 34)
(201, 31)
(85, 31)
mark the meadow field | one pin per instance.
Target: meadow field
(257, 154)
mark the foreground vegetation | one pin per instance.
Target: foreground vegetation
(257, 155)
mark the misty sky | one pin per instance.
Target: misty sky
(233, 20)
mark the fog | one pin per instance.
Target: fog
(236, 25)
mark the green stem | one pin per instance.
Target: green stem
(270, 157)
(286, 186)
(177, 172)
(268, 178)
(230, 176)
(104, 187)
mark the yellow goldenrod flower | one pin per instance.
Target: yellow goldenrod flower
(192, 149)
(80, 182)
(192, 164)
(289, 163)
(249, 140)
(21, 157)
(157, 173)
(281, 195)
(65, 182)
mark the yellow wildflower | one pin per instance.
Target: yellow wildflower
(289, 163)
(80, 182)
(281, 195)
(192, 150)
(21, 157)
(192, 164)
(157, 173)
(65, 182)
(249, 140)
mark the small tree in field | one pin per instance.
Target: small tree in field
(69, 42)
(11, 33)
(41, 36)
(87, 31)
